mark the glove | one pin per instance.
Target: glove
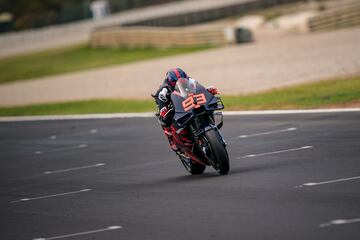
(164, 120)
(213, 90)
(163, 112)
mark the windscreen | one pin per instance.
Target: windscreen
(184, 87)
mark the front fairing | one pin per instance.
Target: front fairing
(188, 97)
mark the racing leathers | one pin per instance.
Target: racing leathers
(163, 100)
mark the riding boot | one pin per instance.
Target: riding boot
(170, 138)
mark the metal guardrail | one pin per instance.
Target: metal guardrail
(346, 15)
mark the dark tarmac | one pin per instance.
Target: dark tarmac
(293, 176)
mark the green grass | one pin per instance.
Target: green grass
(81, 107)
(330, 93)
(306, 96)
(76, 58)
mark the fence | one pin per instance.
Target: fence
(160, 37)
(346, 15)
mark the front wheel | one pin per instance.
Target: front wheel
(218, 153)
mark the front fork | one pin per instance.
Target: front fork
(207, 123)
(199, 126)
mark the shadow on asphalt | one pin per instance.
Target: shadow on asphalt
(212, 174)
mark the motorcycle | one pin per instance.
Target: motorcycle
(195, 128)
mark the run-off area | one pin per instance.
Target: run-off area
(294, 176)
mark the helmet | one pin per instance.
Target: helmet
(174, 74)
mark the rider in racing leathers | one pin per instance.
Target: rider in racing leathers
(163, 100)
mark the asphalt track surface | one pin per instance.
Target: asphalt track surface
(74, 179)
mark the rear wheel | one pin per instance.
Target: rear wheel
(218, 153)
(191, 167)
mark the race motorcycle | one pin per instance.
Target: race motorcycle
(195, 128)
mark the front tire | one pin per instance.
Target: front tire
(218, 153)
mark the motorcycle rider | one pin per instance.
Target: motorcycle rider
(163, 100)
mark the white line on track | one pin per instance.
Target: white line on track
(62, 149)
(49, 196)
(110, 228)
(269, 132)
(340, 222)
(92, 131)
(276, 152)
(151, 114)
(310, 184)
(134, 167)
(76, 168)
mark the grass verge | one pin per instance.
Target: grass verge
(324, 94)
(81, 107)
(76, 58)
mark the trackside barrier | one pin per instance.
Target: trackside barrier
(179, 13)
(216, 9)
(161, 37)
(346, 15)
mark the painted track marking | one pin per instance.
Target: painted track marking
(267, 133)
(49, 196)
(92, 131)
(110, 228)
(62, 149)
(326, 182)
(76, 168)
(134, 167)
(340, 222)
(276, 152)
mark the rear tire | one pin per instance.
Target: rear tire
(218, 151)
(193, 168)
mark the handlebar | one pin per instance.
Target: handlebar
(169, 111)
